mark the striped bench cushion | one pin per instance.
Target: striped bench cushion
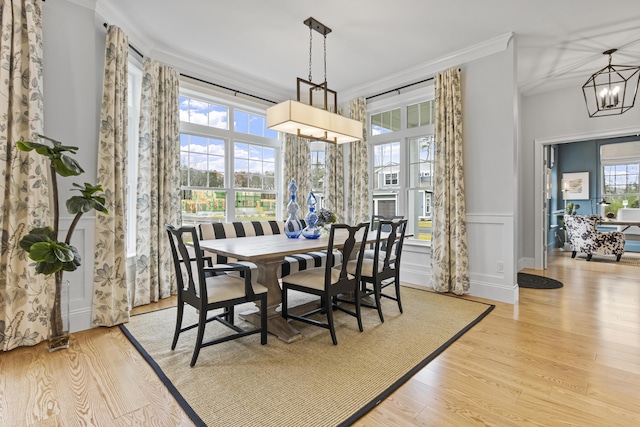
(291, 264)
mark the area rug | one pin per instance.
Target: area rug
(533, 281)
(309, 382)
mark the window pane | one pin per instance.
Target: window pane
(198, 112)
(419, 214)
(413, 116)
(184, 109)
(203, 206)
(256, 124)
(241, 120)
(218, 116)
(386, 122)
(255, 206)
(386, 165)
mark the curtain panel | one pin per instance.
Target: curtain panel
(450, 260)
(158, 192)
(297, 159)
(110, 299)
(334, 180)
(26, 298)
(359, 167)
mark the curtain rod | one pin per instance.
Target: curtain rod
(401, 87)
(235, 91)
(398, 88)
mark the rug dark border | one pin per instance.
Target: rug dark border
(166, 381)
(353, 418)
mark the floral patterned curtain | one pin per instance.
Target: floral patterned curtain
(297, 159)
(25, 297)
(110, 300)
(359, 166)
(158, 198)
(334, 180)
(450, 260)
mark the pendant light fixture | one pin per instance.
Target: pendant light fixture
(303, 118)
(611, 90)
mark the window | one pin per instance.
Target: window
(402, 159)
(317, 164)
(620, 175)
(228, 162)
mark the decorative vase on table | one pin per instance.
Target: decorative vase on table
(312, 230)
(293, 226)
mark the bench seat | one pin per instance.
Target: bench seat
(238, 229)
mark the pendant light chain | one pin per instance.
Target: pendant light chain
(310, 43)
(325, 58)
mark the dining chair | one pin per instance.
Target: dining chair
(208, 288)
(375, 224)
(329, 281)
(382, 268)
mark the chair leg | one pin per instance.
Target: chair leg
(398, 293)
(263, 319)
(202, 321)
(358, 312)
(178, 325)
(377, 290)
(573, 254)
(589, 257)
(618, 257)
(332, 329)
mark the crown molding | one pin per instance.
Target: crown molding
(192, 65)
(111, 16)
(428, 69)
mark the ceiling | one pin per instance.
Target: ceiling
(559, 43)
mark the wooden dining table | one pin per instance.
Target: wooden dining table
(268, 253)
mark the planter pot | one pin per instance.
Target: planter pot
(59, 322)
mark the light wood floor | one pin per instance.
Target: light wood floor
(569, 356)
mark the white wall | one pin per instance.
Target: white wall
(560, 114)
(490, 144)
(73, 46)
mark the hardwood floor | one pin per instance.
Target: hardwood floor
(568, 356)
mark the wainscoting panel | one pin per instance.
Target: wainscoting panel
(81, 280)
(416, 263)
(492, 262)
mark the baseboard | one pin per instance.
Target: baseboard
(525, 262)
(494, 292)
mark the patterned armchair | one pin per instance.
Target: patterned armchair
(584, 237)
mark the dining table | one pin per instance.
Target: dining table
(267, 253)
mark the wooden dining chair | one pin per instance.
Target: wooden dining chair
(208, 288)
(329, 281)
(382, 268)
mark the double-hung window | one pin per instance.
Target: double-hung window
(401, 149)
(228, 160)
(620, 175)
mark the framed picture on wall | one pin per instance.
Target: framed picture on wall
(575, 186)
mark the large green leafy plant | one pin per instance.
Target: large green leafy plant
(51, 255)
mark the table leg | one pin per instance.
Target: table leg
(276, 324)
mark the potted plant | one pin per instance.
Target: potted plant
(51, 255)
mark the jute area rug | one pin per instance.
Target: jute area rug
(309, 382)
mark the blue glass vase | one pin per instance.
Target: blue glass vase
(293, 226)
(312, 230)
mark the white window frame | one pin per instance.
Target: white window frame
(403, 135)
(212, 95)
